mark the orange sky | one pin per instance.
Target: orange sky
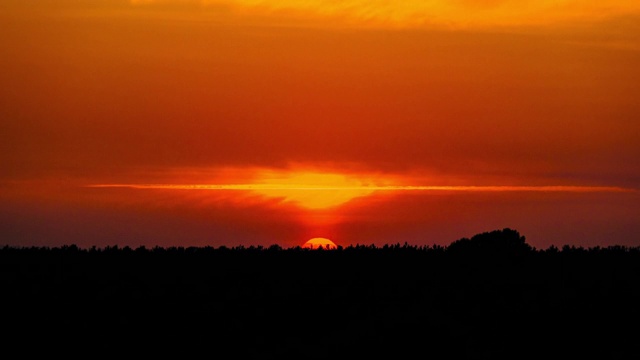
(357, 93)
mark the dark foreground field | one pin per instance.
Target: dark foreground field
(491, 296)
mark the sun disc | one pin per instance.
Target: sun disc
(319, 242)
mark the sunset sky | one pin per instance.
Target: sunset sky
(249, 122)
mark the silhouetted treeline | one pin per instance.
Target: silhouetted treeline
(486, 297)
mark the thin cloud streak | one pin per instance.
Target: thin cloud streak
(550, 188)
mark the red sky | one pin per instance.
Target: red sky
(341, 98)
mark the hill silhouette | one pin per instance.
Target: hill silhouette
(485, 297)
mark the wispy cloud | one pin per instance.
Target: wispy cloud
(325, 190)
(411, 13)
(311, 187)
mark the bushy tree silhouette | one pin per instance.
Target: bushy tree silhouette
(505, 241)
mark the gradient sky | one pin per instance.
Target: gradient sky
(247, 122)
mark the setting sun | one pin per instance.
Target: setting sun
(318, 242)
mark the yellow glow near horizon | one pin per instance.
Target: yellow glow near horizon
(318, 190)
(312, 190)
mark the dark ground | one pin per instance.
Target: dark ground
(488, 297)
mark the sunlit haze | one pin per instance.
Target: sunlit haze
(248, 122)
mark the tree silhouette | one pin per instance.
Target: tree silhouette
(505, 241)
